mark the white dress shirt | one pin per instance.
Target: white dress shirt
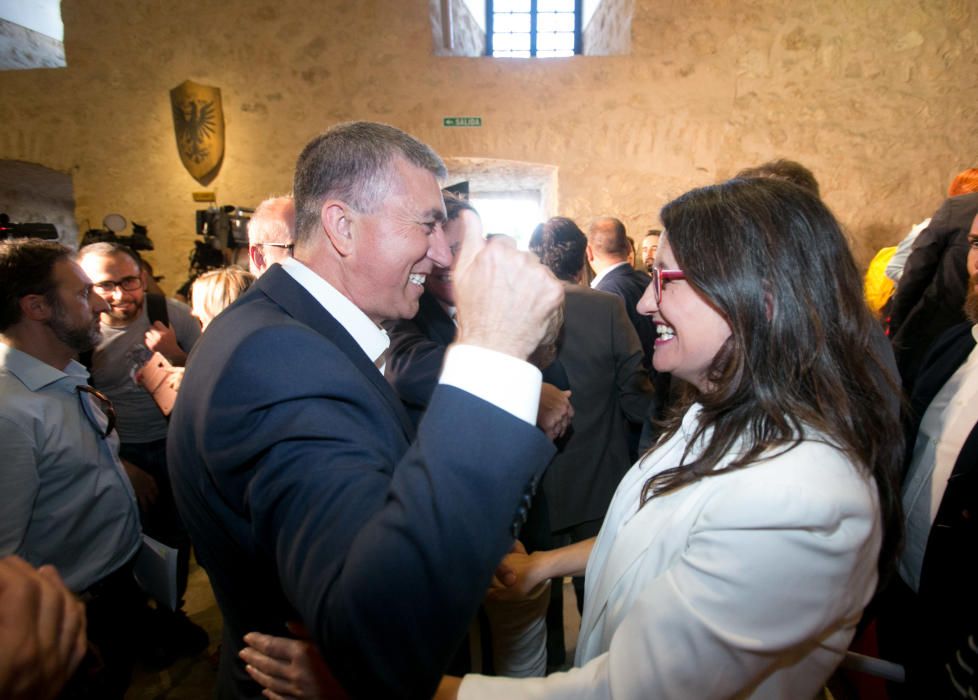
(604, 272)
(947, 422)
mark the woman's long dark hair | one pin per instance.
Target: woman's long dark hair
(771, 258)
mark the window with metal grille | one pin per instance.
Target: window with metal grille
(527, 28)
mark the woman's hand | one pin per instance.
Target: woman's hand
(518, 575)
(289, 669)
(448, 688)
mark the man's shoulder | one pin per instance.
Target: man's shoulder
(594, 304)
(964, 202)
(623, 278)
(258, 335)
(951, 349)
(949, 346)
(177, 308)
(22, 406)
(635, 277)
(183, 322)
(954, 214)
(589, 296)
(12, 391)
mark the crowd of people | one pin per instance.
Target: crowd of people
(391, 440)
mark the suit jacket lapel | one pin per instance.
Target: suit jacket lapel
(630, 543)
(281, 288)
(934, 375)
(620, 271)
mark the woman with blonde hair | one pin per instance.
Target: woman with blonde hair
(215, 290)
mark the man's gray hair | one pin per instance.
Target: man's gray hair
(273, 222)
(352, 163)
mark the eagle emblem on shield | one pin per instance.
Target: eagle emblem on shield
(198, 121)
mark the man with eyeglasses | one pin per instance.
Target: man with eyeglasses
(64, 497)
(131, 332)
(271, 233)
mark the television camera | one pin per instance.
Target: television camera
(113, 224)
(224, 230)
(27, 230)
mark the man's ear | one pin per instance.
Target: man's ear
(336, 219)
(590, 253)
(257, 257)
(35, 307)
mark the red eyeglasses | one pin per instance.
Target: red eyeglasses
(660, 277)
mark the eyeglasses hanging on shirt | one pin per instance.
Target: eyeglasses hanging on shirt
(98, 409)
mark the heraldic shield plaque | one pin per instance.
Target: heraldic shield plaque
(198, 121)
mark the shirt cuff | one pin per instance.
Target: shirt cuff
(502, 380)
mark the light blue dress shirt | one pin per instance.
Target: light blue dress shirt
(64, 497)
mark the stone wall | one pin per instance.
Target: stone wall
(878, 98)
(609, 32)
(468, 38)
(30, 193)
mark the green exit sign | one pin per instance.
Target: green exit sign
(462, 121)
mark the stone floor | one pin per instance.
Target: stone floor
(187, 679)
(194, 679)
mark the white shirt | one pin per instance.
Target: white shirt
(604, 272)
(947, 422)
(504, 381)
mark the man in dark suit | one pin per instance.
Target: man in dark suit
(294, 464)
(607, 251)
(600, 352)
(933, 286)
(929, 619)
(602, 356)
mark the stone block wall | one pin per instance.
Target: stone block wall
(609, 32)
(468, 38)
(878, 98)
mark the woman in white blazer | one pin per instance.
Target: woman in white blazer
(737, 556)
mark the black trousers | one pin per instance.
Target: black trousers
(556, 653)
(161, 521)
(117, 617)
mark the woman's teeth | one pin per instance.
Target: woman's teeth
(417, 278)
(665, 332)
